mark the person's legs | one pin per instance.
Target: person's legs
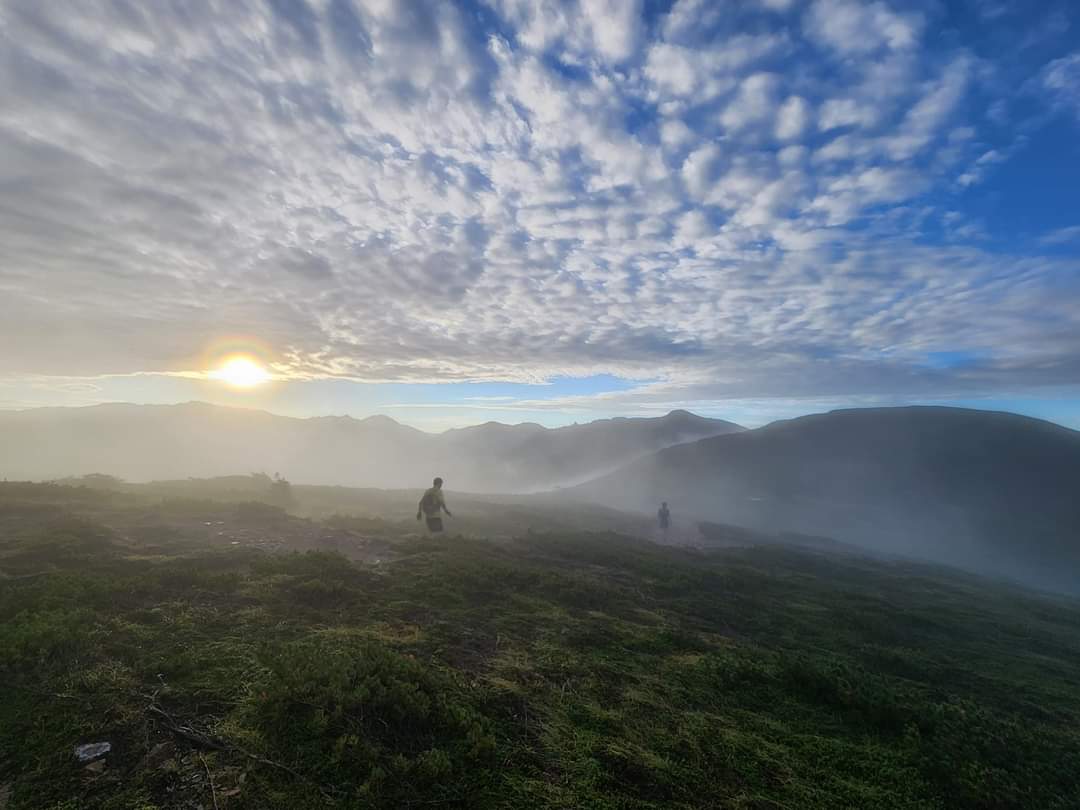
(434, 525)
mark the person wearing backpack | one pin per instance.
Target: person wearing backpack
(431, 505)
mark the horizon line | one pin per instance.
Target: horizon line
(398, 422)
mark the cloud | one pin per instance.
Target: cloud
(847, 197)
(753, 104)
(925, 119)
(1062, 236)
(607, 29)
(851, 27)
(700, 168)
(686, 17)
(420, 191)
(704, 73)
(778, 5)
(980, 167)
(616, 26)
(843, 112)
(1061, 80)
(792, 118)
(675, 133)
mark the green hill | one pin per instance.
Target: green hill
(991, 492)
(556, 670)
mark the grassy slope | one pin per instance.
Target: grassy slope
(565, 670)
(477, 515)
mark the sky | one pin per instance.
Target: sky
(451, 212)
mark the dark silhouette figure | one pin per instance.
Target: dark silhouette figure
(431, 505)
(663, 518)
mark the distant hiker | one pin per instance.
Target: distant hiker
(431, 505)
(663, 518)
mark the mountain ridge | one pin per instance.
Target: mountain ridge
(676, 413)
(198, 439)
(948, 484)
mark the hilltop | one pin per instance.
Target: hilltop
(553, 670)
(992, 491)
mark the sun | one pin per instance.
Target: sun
(241, 372)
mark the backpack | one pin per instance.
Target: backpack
(430, 502)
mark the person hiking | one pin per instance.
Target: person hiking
(663, 518)
(431, 505)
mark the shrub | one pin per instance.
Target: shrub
(363, 718)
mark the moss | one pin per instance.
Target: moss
(582, 670)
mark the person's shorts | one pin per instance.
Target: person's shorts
(434, 524)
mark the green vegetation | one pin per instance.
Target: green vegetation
(391, 511)
(556, 670)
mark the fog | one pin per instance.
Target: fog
(144, 443)
(990, 492)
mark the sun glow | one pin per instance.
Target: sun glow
(241, 372)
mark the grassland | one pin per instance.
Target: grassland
(383, 669)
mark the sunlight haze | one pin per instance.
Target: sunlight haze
(240, 372)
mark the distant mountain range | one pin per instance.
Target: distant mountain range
(993, 491)
(148, 442)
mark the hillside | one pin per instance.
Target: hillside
(992, 491)
(147, 442)
(528, 457)
(558, 670)
(390, 511)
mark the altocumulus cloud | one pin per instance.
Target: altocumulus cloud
(736, 199)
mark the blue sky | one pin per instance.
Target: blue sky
(547, 211)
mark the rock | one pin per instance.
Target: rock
(159, 755)
(92, 751)
(95, 767)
